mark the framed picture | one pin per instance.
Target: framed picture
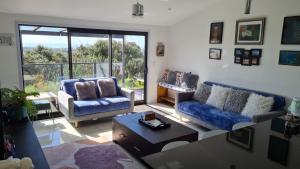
(242, 137)
(6, 39)
(216, 33)
(250, 32)
(255, 56)
(215, 53)
(289, 58)
(246, 59)
(238, 55)
(160, 49)
(291, 30)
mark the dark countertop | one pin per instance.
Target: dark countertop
(269, 151)
(27, 144)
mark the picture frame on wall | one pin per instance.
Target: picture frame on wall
(215, 53)
(242, 138)
(250, 31)
(238, 55)
(216, 33)
(255, 56)
(160, 49)
(291, 31)
(287, 57)
(246, 59)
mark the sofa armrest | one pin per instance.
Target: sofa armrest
(130, 95)
(65, 103)
(267, 116)
(183, 96)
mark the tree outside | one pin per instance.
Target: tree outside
(45, 67)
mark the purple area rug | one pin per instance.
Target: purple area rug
(87, 154)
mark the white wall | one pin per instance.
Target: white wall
(9, 56)
(189, 47)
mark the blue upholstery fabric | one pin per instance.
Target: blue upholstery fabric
(211, 115)
(100, 105)
(279, 101)
(68, 86)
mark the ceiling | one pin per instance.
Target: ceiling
(156, 12)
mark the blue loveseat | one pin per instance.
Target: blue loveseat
(213, 118)
(79, 110)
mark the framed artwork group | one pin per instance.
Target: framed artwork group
(247, 57)
(251, 32)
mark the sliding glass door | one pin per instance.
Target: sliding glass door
(90, 55)
(45, 58)
(50, 54)
(128, 63)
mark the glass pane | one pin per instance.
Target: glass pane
(128, 62)
(28, 28)
(51, 29)
(90, 55)
(45, 62)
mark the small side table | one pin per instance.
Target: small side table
(43, 102)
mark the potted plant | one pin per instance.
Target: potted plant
(16, 105)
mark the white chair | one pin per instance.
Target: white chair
(212, 133)
(174, 145)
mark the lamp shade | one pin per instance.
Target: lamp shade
(295, 107)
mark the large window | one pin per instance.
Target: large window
(50, 54)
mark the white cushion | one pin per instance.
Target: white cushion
(257, 104)
(218, 96)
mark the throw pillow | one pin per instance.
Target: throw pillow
(107, 87)
(172, 77)
(85, 90)
(189, 81)
(202, 93)
(218, 96)
(165, 76)
(179, 77)
(236, 101)
(257, 104)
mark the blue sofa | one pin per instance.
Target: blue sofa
(213, 118)
(80, 110)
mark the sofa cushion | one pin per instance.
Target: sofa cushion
(257, 104)
(68, 86)
(279, 101)
(179, 78)
(189, 80)
(218, 96)
(100, 105)
(202, 93)
(85, 90)
(236, 101)
(209, 114)
(172, 77)
(165, 76)
(107, 87)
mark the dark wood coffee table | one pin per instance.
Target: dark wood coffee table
(140, 140)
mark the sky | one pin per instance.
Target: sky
(62, 41)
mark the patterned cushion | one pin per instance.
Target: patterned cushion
(172, 77)
(165, 76)
(257, 104)
(202, 93)
(107, 87)
(189, 81)
(179, 77)
(85, 90)
(218, 96)
(236, 101)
